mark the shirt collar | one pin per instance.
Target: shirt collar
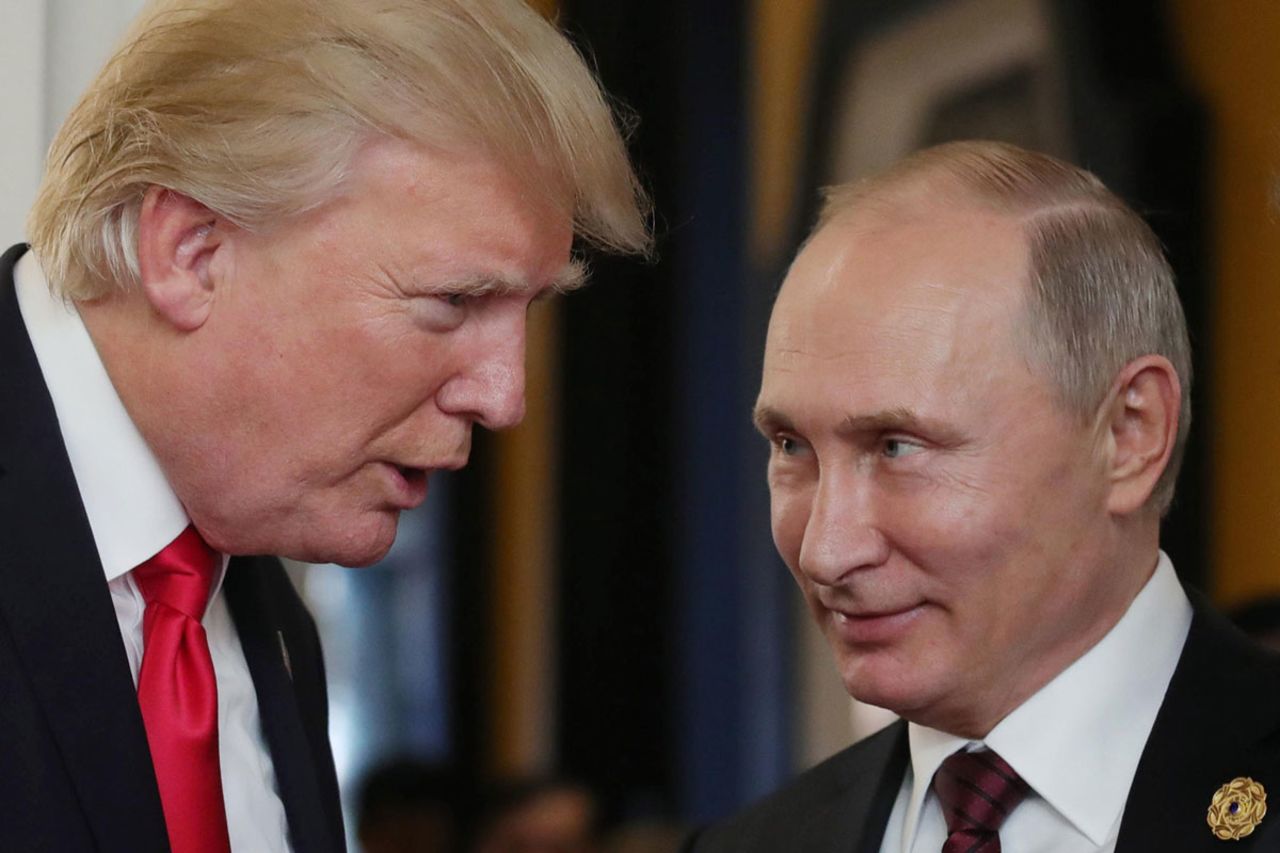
(131, 507)
(1077, 741)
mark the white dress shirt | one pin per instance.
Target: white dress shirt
(1076, 742)
(133, 514)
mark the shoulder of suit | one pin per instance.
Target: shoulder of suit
(1217, 646)
(812, 792)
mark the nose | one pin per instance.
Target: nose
(842, 535)
(489, 387)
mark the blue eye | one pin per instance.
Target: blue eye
(895, 448)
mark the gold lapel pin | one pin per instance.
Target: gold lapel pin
(1237, 808)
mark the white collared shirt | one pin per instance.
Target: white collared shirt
(133, 514)
(1076, 742)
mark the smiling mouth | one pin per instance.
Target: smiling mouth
(852, 615)
(880, 626)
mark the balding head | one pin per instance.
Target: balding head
(970, 391)
(1100, 290)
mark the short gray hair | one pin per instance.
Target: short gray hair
(255, 109)
(1101, 291)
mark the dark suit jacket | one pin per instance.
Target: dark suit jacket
(75, 769)
(1220, 719)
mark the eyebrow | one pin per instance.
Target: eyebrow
(769, 420)
(889, 419)
(572, 276)
(903, 419)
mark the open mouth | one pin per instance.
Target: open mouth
(410, 486)
(415, 477)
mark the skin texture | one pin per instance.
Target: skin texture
(959, 536)
(299, 386)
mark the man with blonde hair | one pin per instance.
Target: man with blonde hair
(975, 389)
(280, 266)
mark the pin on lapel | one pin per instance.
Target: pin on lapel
(1237, 808)
(284, 654)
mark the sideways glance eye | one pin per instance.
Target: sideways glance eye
(786, 445)
(895, 448)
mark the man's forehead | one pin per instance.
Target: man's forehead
(914, 313)
(916, 262)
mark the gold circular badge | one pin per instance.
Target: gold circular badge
(1237, 808)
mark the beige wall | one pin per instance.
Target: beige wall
(49, 50)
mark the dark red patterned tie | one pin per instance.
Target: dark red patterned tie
(178, 693)
(976, 790)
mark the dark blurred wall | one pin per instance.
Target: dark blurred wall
(675, 661)
(672, 650)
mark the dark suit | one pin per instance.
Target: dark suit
(75, 770)
(1220, 719)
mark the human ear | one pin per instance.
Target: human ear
(177, 238)
(1143, 410)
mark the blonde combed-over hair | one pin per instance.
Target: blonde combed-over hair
(1100, 291)
(255, 109)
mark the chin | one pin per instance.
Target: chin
(353, 543)
(359, 559)
(356, 550)
(869, 694)
(881, 684)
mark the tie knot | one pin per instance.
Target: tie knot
(181, 575)
(977, 791)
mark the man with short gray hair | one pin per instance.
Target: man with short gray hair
(280, 266)
(975, 392)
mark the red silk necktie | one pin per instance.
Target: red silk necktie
(179, 695)
(976, 790)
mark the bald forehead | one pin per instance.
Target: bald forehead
(913, 248)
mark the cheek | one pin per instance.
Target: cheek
(964, 540)
(374, 373)
(789, 512)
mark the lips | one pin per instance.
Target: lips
(412, 475)
(860, 626)
(408, 481)
(408, 484)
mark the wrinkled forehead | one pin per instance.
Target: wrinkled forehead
(917, 274)
(458, 169)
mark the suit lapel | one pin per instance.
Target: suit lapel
(57, 609)
(886, 793)
(1220, 720)
(856, 821)
(267, 643)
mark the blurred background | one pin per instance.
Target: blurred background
(596, 598)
